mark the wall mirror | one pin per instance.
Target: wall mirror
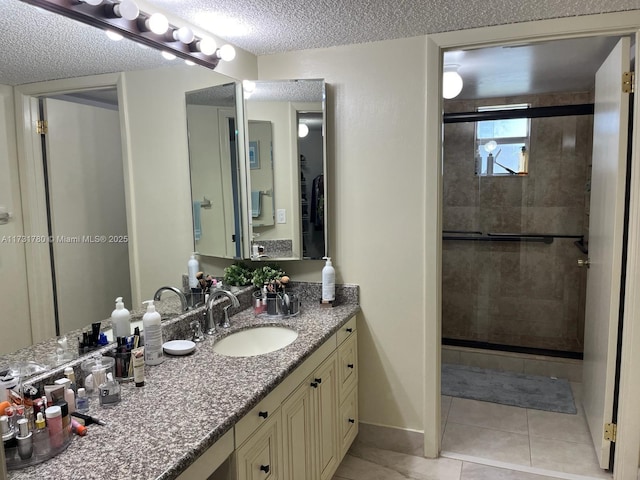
(155, 132)
(215, 171)
(291, 193)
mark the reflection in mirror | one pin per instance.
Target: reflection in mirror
(299, 189)
(215, 174)
(261, 173)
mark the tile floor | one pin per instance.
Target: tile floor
(488, 441)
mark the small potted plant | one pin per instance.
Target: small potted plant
(237, 275)
(269, 274)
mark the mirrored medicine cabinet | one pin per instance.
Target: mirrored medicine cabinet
(257, 154)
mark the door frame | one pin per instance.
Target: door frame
(628, 444)
(38, 261)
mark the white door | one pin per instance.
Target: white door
(13, 275)
(605, 245)
(87, 211)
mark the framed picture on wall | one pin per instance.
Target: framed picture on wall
(254, 155)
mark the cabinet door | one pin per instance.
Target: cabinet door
(324, 384)
(298, 435)
(260, 457)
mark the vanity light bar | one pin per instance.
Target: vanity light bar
(103, 17)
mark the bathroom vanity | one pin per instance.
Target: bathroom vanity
(274, 415)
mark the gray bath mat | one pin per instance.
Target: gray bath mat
(518, 389)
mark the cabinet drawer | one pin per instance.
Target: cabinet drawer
(256, 417)
(348, 365)
(347, 330)
(348, 421)
(260, 457)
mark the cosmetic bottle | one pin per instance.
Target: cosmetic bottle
(8, 433)
(120, 320)
(54, 424)
(82, 401)
(152, 335)
(71, 375)
(24, 439)
(192, 267)
(66, 418)
(41, 443)
(328, 281)
(68, 394)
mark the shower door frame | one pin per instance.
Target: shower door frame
(628, 442)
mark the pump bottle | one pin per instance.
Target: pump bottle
(193, 266)
(152, 335)
(120, 320)
(328, 281)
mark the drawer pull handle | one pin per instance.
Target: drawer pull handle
(349, 330)
(263, 414)
(351, 420)
(314, 384)
(317, 380)
(349, 365)
(264, 468)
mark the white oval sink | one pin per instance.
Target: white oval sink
(255, 341)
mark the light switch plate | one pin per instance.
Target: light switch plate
(281, 215)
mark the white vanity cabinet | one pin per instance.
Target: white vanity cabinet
(302, 430)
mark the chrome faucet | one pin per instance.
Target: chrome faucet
(213, 296)
(181, 296)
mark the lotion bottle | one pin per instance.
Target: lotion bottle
(193, 267)
(152, 335)
(328, 281)
(120, 320)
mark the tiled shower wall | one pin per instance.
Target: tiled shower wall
(510, 293)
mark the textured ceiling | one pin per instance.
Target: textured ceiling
(271, 26)
(38, 46)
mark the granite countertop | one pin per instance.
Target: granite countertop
(187, 403)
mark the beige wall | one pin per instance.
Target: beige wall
(376, 156)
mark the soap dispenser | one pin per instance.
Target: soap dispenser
(152, 335)
(328, 281)
(120, 320)
(193, 266)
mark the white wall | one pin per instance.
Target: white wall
(376, 171)
(13, 280)
(157, 169)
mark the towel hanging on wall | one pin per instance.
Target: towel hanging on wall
(256, 197)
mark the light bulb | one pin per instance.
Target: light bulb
(451, 82)
(184, 34)
(190, 63)
(303, 130)
(127, 9)
(94, 3)
(226, 52)
(158, 24)
(249, 86)
(168, 55)
(207, 45)
(115, 36)
(490, 146)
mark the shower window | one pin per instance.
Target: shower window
(500, 142)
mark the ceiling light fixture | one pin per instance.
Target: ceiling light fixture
(145, 28)
(303, 130)
(451, 82)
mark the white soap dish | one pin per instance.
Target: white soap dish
(179, 347)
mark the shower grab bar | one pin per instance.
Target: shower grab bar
(514, 237)
(466, 232)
